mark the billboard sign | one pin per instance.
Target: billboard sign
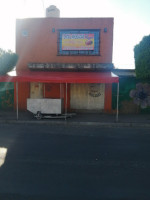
(77, 41)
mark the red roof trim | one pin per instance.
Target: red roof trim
(62, 77)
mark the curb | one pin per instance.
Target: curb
(102, 124)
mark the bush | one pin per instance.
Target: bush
(142, 58)
(8, 60)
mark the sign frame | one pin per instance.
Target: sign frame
(93, 49)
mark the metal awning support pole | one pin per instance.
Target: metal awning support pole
(66, 103)
(60, 91)
(117, 102)
(44, 89)
(17, 99)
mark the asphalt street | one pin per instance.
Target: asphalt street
(68, 162)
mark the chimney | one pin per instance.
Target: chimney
(52, 11)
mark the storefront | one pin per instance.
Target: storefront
(89, 84)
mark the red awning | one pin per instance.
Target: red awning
(61, 77)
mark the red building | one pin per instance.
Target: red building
(80, 48)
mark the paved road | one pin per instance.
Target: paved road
(74, 162)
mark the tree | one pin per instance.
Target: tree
(142, 58)
(8, 60)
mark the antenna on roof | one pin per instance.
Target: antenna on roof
(43, 5)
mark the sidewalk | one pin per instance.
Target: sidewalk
(128, 120)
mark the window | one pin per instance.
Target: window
(79, 42)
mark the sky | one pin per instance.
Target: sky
(131, 21)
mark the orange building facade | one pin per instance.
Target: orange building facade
(46, 44)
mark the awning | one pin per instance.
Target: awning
(61, 77)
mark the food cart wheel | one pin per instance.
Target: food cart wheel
(38, 115)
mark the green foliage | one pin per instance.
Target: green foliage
(8, 60)
(142, 58)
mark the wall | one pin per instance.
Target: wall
(56, 91)
(23, 94)
(126, 103)
(6, 96)
(51, 91)
(41, 43)
(108, 98)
